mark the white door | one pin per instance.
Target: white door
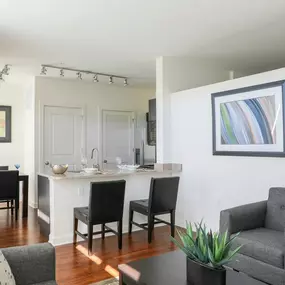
(118, 137)
(63, 136)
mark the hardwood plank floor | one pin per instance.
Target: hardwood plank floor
(73, 266)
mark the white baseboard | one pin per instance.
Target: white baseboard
(67, 239)
(33, 205)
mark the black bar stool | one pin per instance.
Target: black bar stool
(106, 205)
(162, 200)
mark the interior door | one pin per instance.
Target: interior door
(118, 137)
(63, 136)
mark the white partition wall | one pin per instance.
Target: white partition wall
(212, 183)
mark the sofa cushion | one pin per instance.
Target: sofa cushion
(257, 269)
(6, 275)
(262, 244)
(275, 214)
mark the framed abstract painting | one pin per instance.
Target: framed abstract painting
(5, 124)
(249, 121)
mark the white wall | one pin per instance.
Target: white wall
(12, 94)
(212, 183)
(174, 74)
(93, 97)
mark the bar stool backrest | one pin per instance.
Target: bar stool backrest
(163, 194)
(106, 201)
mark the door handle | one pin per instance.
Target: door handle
(105, 161)
(46, 162)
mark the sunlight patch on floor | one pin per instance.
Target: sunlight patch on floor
(93, 257)
(112, 271)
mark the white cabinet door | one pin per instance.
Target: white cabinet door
(63, 136)
(118, 137)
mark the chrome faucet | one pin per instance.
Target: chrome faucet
(97, 165)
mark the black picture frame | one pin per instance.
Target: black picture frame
(8, 121)
(280, 83)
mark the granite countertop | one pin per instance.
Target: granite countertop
(107, 173)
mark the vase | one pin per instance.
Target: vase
(200, 274)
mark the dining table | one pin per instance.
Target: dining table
(25, 193)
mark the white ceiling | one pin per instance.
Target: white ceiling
(125, 36)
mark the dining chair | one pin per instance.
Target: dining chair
(162, 200)
(9, 189)
(106, 205)
(5, 168)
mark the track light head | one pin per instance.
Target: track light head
(79, 75)
(44, 70)
(6, 69)
(126, 82)
(95, 78)
(61, 73)
(111, 80)
(1, 77)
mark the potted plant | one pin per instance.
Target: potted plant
(207, 253)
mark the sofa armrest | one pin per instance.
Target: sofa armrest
(242, 218)
(31, 264)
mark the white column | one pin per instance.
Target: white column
(163, 116)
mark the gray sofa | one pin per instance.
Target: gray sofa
(33, 264)
(261, 227)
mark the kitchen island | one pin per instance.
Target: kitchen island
(58, 195)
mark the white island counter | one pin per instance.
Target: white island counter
(60, 194)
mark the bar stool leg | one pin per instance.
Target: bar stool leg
(75, 228)
(172, 222)
(120, 234)
(103, 231)
(90, 238)
(150, 227)
(131, 216)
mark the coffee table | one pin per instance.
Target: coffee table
(170, 269)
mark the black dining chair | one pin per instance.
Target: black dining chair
(9, 189)
(106, 205)
(5, 168)
(162, 200)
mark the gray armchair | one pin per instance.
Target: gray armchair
(261, 226)
(33, 264)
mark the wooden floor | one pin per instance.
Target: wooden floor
(73, 266)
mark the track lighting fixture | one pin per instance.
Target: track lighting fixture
(79, 75)
(95, 78)
(1, 77)
(44, 70)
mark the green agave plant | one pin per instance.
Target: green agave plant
(203, 246)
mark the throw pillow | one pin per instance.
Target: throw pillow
(6, 275)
